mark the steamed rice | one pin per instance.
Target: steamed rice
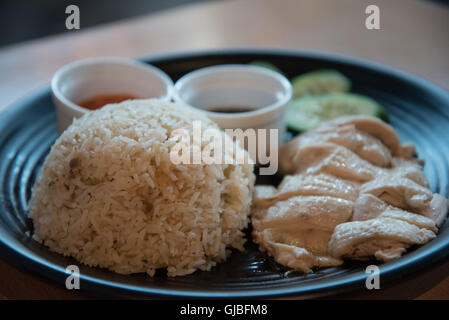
(109, 196)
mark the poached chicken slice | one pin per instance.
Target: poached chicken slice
(405, 194)
(299, 258)
(437, 209)
(334, 160)
(368, 207)
(373, 127)
(385, 238)
(399, 192)
(364, 145)
(296, 231)
(411, 169)
(305, 185)
(308, 212)
(355, 192)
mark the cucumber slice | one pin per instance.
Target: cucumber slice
(309, 112)
(266, 64)
(319, 82)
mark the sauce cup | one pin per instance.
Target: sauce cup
(84, 79)
(261, 94)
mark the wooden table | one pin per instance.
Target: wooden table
(413, 37)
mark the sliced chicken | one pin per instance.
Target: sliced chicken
(364, 145)
(384, 238)
(333, 160)
(399, 192)
(355, 192)
(406, 194)
(288, 159)
(309, 212)
(299, 258)
(368, 207)
(294, 256)
(319, 185)
(437, 209)
(409, 217)
(264, 195)
(373, 127)
(367, 133)
(407, 151)
(296, 231)
(313, 240)
(306, 185)
(411, 169)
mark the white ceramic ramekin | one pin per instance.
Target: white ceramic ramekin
(265, 91)
(84, 79)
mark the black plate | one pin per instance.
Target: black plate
(418, 110)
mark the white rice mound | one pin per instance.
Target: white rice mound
(109, 196)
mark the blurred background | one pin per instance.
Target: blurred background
(34, 41)
(22, 20)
